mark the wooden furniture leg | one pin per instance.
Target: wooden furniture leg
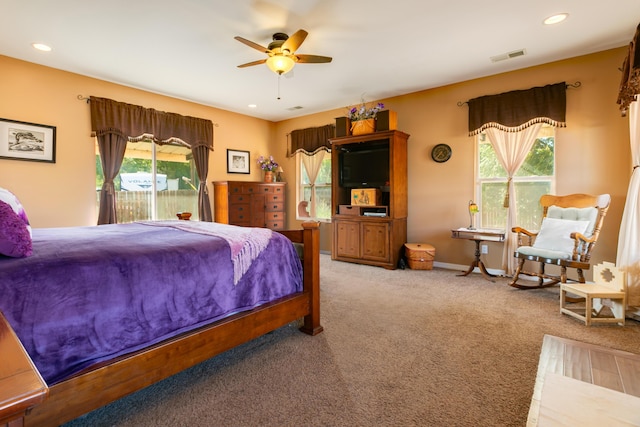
(477, 262)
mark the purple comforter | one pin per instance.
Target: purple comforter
(89, 294)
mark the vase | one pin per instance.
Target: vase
(269, 176)
(360, 127)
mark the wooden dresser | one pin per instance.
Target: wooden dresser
(250, 204)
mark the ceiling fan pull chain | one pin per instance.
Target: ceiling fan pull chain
(279, 75)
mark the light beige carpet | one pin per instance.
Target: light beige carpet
(400, 348)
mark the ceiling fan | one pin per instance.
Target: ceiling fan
(281, 52)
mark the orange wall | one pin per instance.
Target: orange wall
(63, 194)
(592, 152)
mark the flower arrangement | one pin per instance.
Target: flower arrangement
(267, 164)
(362, 112)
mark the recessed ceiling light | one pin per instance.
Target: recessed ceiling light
(554, 19)
(253, 106)
(42, 47)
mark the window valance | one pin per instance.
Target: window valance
(519, 109)
(311, 140)
(630, 84)
(135, 122)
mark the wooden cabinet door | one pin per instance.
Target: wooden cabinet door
(375, 241)
(348, 239)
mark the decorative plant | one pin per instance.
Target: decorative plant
(363, 112)
(267, 164)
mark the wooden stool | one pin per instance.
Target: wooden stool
(609, 284)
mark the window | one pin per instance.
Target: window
(138, 197)
(321, 189)
(535, 178)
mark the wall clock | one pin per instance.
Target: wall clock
(441, 153)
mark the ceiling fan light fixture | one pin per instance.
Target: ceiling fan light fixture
(280, 64)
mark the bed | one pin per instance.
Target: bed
(126, 340)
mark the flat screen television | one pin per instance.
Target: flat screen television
(364, 165)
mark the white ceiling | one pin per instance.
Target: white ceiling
(186, 48)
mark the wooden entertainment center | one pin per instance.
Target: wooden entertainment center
(370, 234)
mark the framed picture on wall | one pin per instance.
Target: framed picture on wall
(237, 161)
(27, 141)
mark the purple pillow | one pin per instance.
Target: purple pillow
(15, 238)
(9, 198)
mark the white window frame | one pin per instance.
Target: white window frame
(546, 130)
(300, 190)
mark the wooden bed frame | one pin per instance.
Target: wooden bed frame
(106, 383)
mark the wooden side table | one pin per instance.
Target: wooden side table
(478, 235)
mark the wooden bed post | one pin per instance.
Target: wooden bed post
(311, 267)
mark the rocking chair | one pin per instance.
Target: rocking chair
(569, 231)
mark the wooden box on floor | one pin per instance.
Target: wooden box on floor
(419, 255)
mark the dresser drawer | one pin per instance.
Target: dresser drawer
(235, 188)
(274, 216)
(274, 197)
(271, 189)
(276, 225)
(251, 188)
(235, 199)
(274, 206)
(240, 213)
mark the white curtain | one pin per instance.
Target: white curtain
(312, 165)
(628, 256)
(511, 149)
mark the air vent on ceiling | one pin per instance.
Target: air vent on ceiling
(297, 107)
(509, 55)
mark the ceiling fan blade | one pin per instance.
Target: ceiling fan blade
(249, 64)
(252, 44)
(293, 43)
(313, 59)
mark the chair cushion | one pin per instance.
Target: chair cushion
(576, 214)
(543, 253)
(555, 234)
(554, 238)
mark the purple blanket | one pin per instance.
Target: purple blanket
(89, 294)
